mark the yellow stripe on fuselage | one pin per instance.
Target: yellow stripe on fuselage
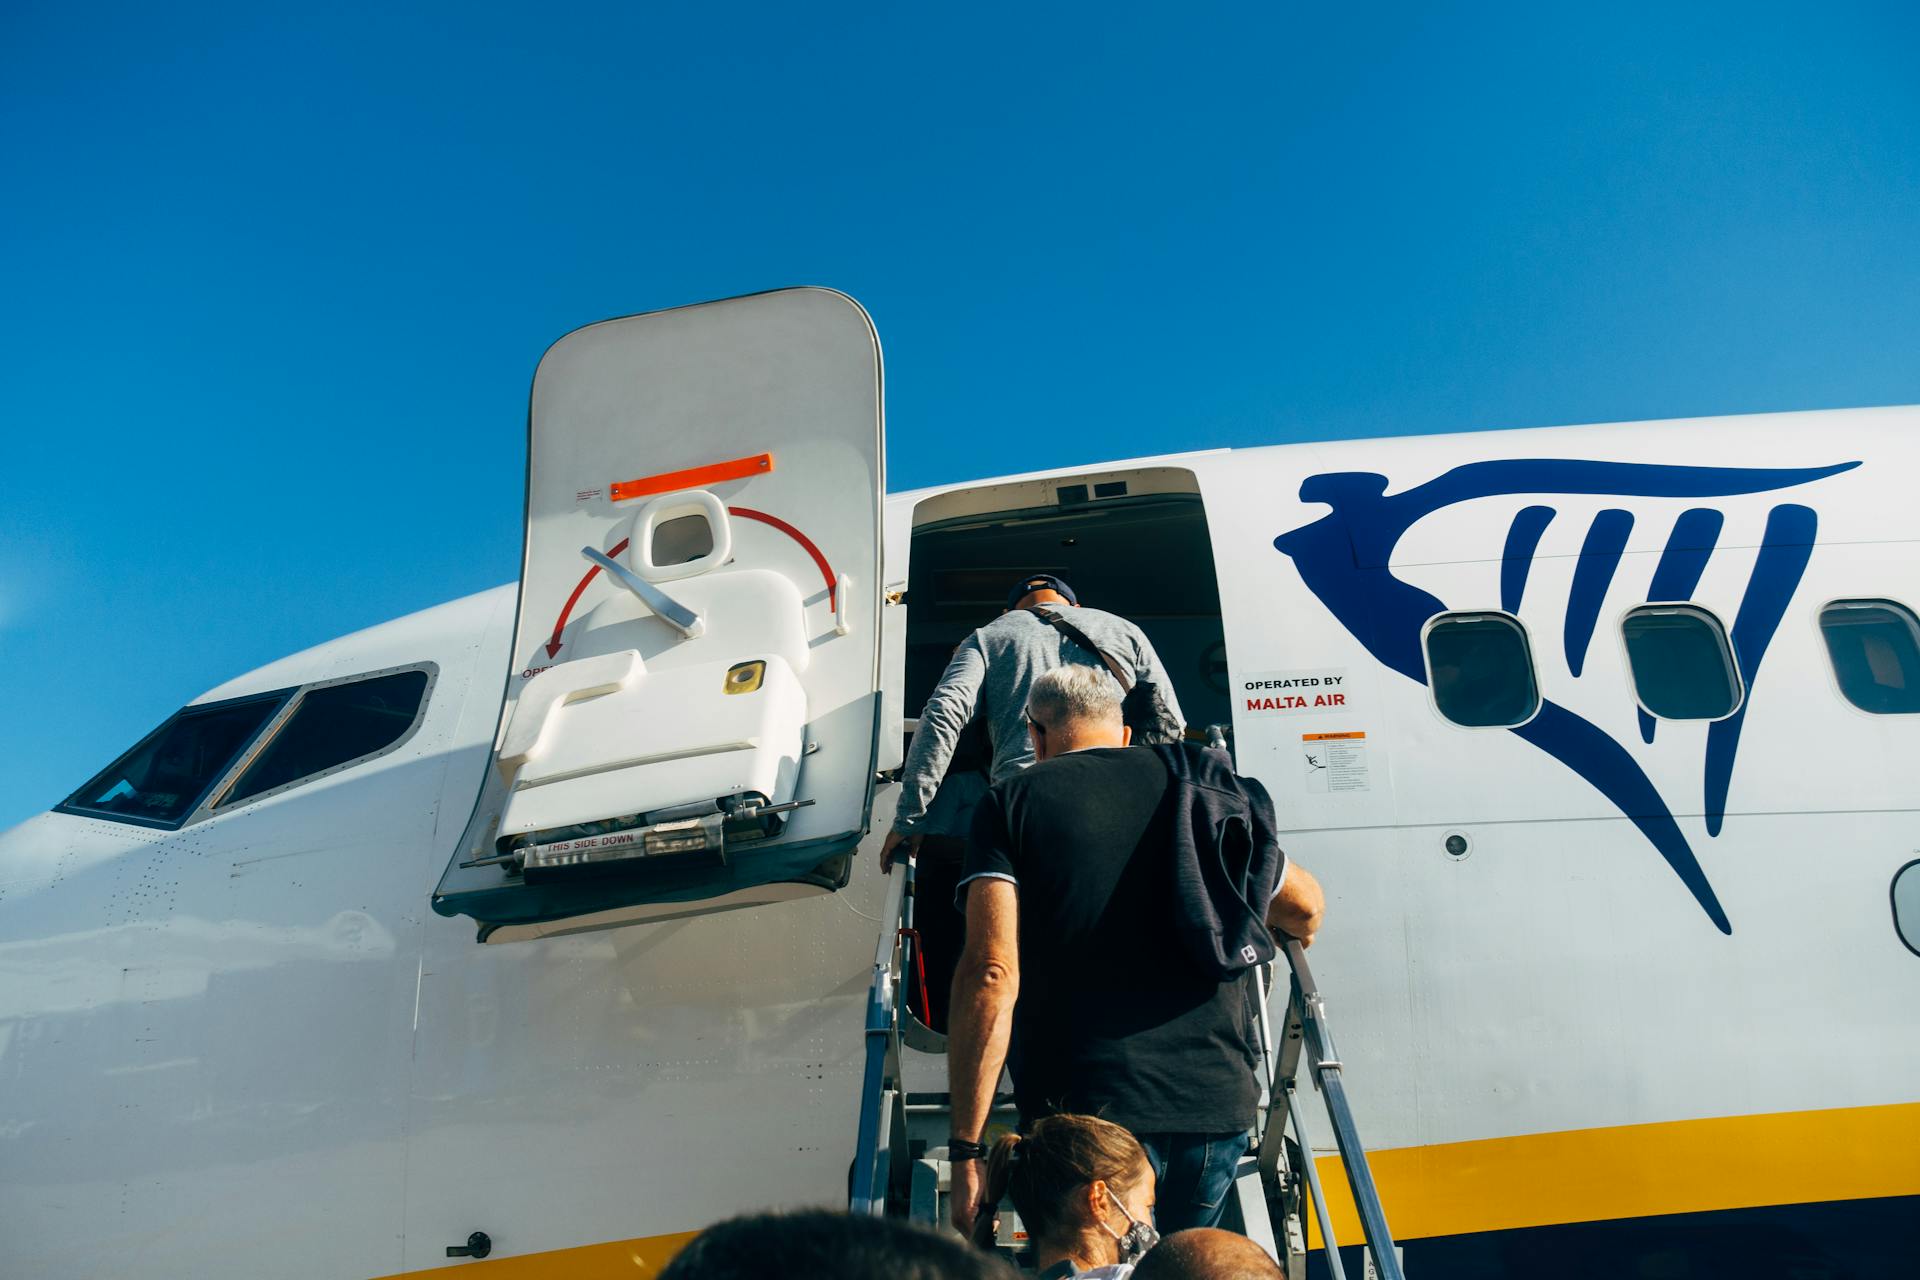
(1635, 1171)
(638, 1259)
(1536, 1180)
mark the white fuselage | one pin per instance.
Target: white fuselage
(249, 1046)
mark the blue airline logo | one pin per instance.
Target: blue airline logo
(1344, 559)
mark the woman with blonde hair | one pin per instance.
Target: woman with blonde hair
(1084, 1191)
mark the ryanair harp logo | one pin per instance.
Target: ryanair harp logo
(1344, 559)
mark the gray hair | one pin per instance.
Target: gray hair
(1073, 694)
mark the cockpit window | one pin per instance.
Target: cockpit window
(331, 727)
(164, 778)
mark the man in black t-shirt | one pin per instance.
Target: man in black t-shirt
(1073, 975)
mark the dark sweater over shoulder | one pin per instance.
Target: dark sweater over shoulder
(1114, 1019)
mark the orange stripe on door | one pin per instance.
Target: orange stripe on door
(693, 477)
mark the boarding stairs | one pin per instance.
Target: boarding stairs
(900, 1167)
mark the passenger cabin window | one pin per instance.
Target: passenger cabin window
(1682, 664)
(332, 727)
(1481, 669)
(165, 777)
(1906, 905)
(1875, 648)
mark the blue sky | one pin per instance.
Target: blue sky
(275, 278)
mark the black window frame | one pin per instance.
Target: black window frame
(1526, 643)
(208, 803)
(282, 697)
(1826, 645)
(1731, 658)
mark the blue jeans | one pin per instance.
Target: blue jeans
(1193, 1172)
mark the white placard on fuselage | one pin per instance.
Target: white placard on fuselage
(1314, 691)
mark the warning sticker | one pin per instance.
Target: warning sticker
(1292, 693)
(1335, 762)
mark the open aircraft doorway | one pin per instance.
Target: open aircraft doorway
(1130, 542)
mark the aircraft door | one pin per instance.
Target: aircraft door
(691, 719)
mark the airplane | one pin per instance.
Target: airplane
(530, 933)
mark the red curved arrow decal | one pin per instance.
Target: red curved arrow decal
(560, 623)
(554, 642)
(826, 570)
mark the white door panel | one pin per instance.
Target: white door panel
(692, 711)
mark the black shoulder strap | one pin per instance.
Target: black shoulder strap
(1079, 637)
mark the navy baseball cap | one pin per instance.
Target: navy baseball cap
(1039, 582)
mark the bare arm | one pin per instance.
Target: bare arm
(1296, 910)
(979, 1024)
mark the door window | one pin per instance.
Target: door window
(682, 540)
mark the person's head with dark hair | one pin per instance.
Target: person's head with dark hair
(1083, 1187)
(819, 1244)
(1039, 588)
(1207, 1253)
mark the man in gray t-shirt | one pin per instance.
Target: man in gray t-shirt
(991, 674)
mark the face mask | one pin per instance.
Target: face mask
(1140, 1236)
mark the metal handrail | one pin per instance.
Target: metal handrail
(670, 611)
(881, 1080)
(1307, 1030)
(883, 1106)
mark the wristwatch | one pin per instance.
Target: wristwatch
(959, 1149)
